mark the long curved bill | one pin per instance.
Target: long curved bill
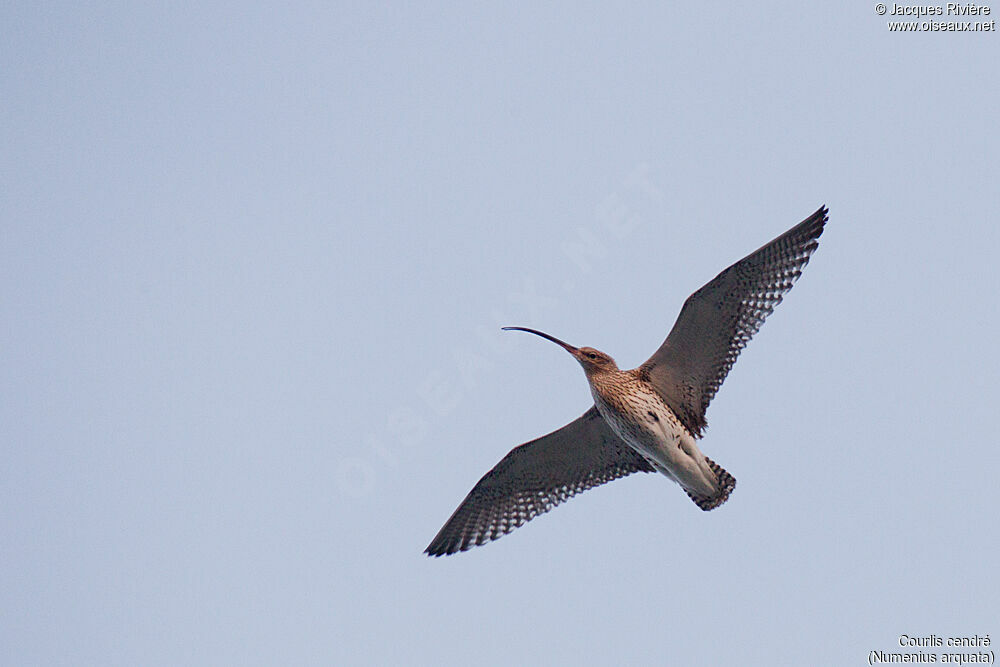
(566, 346)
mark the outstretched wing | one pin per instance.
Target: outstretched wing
(718, 321)
(534, 478)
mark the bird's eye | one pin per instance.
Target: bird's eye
(591, 355)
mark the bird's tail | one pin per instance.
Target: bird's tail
(726, 485)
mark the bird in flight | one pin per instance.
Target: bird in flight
(647, 419)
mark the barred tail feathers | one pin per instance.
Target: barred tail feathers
(726, 485)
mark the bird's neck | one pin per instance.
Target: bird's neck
(607, 381)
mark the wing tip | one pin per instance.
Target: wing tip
(437, 552)
(446, 547)
(817, 221)
(805, 235)
(457, 544)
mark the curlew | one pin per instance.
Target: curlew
(648, 419)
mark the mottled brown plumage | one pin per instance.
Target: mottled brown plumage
(645, 419)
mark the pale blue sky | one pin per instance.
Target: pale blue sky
(253, 265)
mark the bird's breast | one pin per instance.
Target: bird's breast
(640, 418)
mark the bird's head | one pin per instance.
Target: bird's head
(593, 361)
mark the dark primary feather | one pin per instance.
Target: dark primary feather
(534, 478)
(718, 320)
